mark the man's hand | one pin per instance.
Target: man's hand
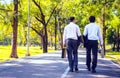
(81, 44)
(101, 45)
(64, 45)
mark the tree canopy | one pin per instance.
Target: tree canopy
(48, 18)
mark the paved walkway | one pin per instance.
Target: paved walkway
(51, 65)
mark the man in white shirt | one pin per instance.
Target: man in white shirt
(70, 37)
(92, 31)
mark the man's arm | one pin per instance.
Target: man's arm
(85, 31)
(78, 31)
(100, 37)
(80, 38)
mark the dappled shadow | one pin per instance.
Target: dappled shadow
(33, 71)
(105, 69)
(51, 65)
(41, 67)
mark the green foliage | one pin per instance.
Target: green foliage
(112, 29)
(81, 9)
(110, 35)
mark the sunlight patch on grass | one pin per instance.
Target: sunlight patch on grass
(115, 56)
(108, 47)
(21, 51)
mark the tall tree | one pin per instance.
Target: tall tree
(55, 17)
(40, 16)
(14, 28)
(56, 14)
(106, 10)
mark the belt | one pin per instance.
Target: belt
(70, 39)
(92, 40)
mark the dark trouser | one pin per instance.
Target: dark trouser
(72, 53)
(92, 45)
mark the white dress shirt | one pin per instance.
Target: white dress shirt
(71, 31)
(93, 32)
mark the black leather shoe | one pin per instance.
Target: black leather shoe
(93, 71)
(88, 69)
(76, 69)
(71, 70)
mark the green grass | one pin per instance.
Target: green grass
(108, 47)
(21, 51)
(115, 56)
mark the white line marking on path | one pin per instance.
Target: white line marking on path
(112, 62)
(65, 73)
(115, 64)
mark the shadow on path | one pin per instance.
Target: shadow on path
(51, 65)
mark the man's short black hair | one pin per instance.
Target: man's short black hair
(71, 19)
(92, 18)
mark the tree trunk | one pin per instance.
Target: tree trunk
(61, 35)
(118, 40)
(14, 34)
(41, 40)
(51, 41)
(45, 40)
(44, 44)
(104, 27)
(113, 46)
(55, 33)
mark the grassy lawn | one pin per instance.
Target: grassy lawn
(21, 51)
(115, 56)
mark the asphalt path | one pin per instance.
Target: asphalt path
(51, 65)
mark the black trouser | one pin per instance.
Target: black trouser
(92, 45)
(72, 53)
